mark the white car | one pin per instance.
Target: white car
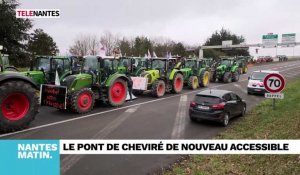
(255, 83)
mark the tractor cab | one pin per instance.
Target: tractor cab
(4, 63)
(242, 62)
(164, 65)
(132, 65)
(44, 68)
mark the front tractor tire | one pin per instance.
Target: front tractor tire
(213, 76)
(193, 82)
(227, 77)
(158, 88)
(235, 76)
(117, 92)
(245, 70)
(82, 101)
(204, 79)
(19, 105)
(177, 83)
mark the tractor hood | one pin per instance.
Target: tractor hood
(221, 67)
(36, 76)
(78, 81)
(186, 69)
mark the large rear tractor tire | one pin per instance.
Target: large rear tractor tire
(227, 77)
(11, 68)
(193, 82)
(117, 92)
(82, 101)
(158, 88)
(177, 83)
(204, 79)
(235, 76)
(19, 103)
(212, 77)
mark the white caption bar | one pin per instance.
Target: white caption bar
(179, 147)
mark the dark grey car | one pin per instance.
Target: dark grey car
(216, 105)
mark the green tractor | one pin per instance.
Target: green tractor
(227, 70)
(99, 80)
(163, 75)
(196, 73)
(243, 64)
(43, 69)
(18, 99)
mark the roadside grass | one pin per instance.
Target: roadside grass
(262, 122)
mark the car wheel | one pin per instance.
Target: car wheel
(225, 120)
(244, 111)
(193, 119)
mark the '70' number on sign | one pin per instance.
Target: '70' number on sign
(273, 82)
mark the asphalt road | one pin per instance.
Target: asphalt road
(145, 118)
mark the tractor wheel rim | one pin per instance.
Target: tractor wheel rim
(15, 106)
(178, 83)
(195, 83)
(160, 89)
(85, 101)
(117, 92)
(205, 79)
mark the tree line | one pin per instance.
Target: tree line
(90, 44)
(22, 45)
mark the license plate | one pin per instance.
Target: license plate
(203, 107)
(257, 90)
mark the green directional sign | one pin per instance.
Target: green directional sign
(270, 40)
(275, 36)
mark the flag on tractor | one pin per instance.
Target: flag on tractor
(102, 52)
(149, 54)
(57, 82)
(154, 55)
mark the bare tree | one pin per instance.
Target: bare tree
(109, 41)
(85, 45)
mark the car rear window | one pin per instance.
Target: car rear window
(203, 99)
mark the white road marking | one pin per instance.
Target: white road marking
(70, 160)
(124, 107)
(179, 124)
(240, 87)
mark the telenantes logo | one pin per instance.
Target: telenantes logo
(38, 13)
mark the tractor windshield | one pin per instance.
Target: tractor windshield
(5, 60)
(158, 64)
(124, 62)
(43, 64)
(190, 63)
(90, 64)
(226, 62)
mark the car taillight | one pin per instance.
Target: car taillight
(218, 106)
(193, 104)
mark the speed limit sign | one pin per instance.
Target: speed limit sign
(274, 83)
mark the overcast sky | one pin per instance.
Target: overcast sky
(188, 21)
